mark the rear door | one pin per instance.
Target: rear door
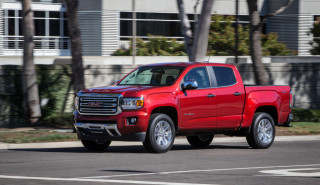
(230, 95)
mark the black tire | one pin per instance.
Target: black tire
(261, 137)
(96, 146)
(200, 141)
(162, 142)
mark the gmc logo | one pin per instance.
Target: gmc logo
(95, 104)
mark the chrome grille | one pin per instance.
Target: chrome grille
(99, 104)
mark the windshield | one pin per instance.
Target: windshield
(153, 76)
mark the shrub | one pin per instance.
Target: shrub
(154, 46)
(306, 115)
(58, 120)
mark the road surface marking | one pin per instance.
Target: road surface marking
(95, 180)
(207, 170)
(294, 172)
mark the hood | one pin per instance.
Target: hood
(118, 89)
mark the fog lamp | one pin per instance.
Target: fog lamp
(132, 121)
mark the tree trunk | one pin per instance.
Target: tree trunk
(196, 46)
(30, 85)
(185, 28)
(76, 45)
(260, 74)
(200, 42)
(256, 23)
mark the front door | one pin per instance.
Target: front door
(197, 106)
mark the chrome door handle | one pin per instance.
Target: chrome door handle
(237, 94)
(211, 95)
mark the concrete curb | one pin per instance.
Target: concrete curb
(72, 144)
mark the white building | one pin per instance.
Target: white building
(106, 25)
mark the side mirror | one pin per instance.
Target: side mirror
(189, 85)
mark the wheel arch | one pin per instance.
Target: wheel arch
(168, 110)
(271, 110)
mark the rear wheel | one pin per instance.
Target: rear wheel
(160, 135)
(94, 145)
(200, 140)
(262, 131)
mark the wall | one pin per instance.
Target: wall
(57, 96)
(127, 60)
(294, 24)
(92, 5)
(280, 24)
(90, 29)
(303, 78)
(1, 31)
(170, 6)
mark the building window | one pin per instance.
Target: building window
(155, 24)
(155, 28)
(50, 30)
(158, 24)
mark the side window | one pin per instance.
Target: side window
(199, 75)
(225, 76)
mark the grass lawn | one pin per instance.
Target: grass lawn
(45, 135)
(300, 128)
(35, 136)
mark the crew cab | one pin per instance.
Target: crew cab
(157, 102)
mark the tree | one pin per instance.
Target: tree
(196, 44)
(222, 39)
(30, 85)
(76, 45)
(185, 28)
(221, 42)
(316, 37)
(256, 23)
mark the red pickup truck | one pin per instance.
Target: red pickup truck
(154, 103)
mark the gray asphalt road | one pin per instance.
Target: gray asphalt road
(222, 163)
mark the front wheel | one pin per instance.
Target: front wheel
(200, 140)
(262, 131)
(160, 135)
(94, 145)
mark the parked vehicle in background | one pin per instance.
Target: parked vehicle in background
(155, 103)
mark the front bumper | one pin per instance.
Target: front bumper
(111, 128)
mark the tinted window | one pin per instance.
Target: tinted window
(153, 76)
(224, 76)
(146, 28)
(199, 75)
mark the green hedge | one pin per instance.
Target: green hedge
(306, 115)
(54, 83)
(58, 120)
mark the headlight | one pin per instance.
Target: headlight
(76, 102)
(132, 103)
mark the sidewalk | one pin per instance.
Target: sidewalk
(219, 140)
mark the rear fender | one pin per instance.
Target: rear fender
(258, 99)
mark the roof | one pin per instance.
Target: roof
(186, 64)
